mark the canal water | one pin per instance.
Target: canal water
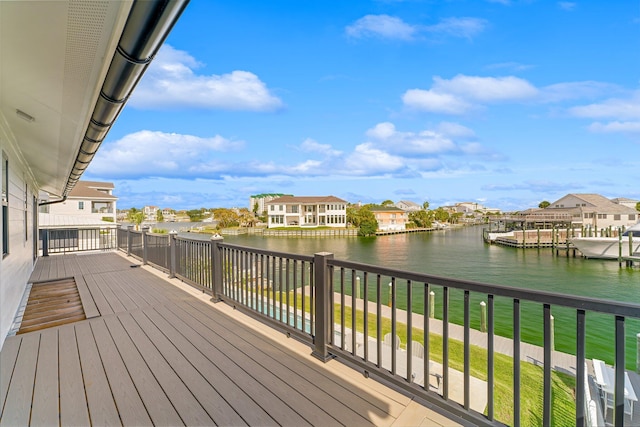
(461, 253)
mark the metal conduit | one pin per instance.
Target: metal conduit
(147, 26)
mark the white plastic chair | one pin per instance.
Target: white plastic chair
(388, 340)
(417, 349)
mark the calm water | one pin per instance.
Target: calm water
(462, 254)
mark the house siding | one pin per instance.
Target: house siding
(17, 265)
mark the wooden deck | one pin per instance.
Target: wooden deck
(157, 352)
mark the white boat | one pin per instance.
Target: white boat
(609, 247)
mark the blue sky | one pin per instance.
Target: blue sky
(506, 103)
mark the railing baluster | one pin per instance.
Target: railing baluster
(490, 358)
(619, 373)
(409, 332)
(445, 343)
(467, 352)
(342, 310)
(280, 290)
(394, 327)
(426, 310)
(295, 296)
(379, 322)
(288, 290)
(353, 311)
(516, 362)
(365, 300)
(580, 369)
(546, 384)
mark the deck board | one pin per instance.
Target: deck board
(21, 389)
(232, 382)
(158, 405)
(132, 410)
(88, 304)
(157, 352)
(99, 397)
(45, 392)
(216, 407)
(8, 357)
(278, 363)
(73, 402)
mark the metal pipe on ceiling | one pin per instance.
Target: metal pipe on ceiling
(147, 26)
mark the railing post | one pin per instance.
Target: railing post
(129, 242)
(216, 268)
(172, 253)
(145, 230)
(323, 305)
(45, 242)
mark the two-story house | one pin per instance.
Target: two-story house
(150, 213)
(390, 218)
(307, 211)
(594, 210)
(88, 200)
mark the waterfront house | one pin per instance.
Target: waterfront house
(593, 211)
(88, 199)
(408, 206)
(390, 218)
(150, 213)
(257, 202)
(307, 211)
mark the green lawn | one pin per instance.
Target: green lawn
(531, 376)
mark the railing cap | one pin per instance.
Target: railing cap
(173, 232)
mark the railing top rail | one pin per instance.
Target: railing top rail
(298, 257)
(544, 297)
(192, 239)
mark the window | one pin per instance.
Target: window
(81, 205)
(588, 215)
(602, 216)
(103, 207)
(632, 217)
(616, 217)
(5, 204)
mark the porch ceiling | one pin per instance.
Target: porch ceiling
(54, 56)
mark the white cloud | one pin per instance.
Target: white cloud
(576, 90)
(611, 127)
(148, 153)
(435, 102)
(459, 27)
(516, 66)
(171, 82)
(455, 130)
(615, 108)
(391, 27)
(368, 160)
(424, 143)
(486, 88)
(567, 5)
(311, 146)
(383, 26)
